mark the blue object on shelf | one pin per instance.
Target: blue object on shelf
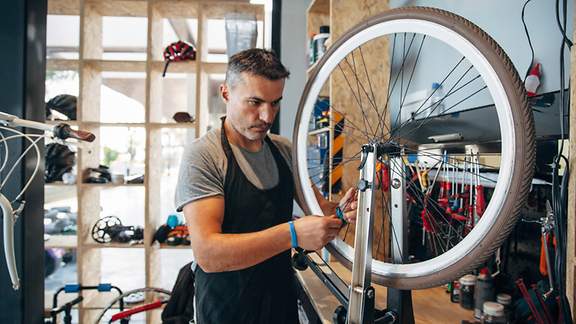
(173, 221)
(72, 288)
(104, 287)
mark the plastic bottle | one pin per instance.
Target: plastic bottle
(506, 301)
(319, 42)
(484, 292)
(455, 292)
(311, 50)
(467, 284)
(533, 80)
(493, 313)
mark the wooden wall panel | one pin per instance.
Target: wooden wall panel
(571, 249)
(358, 90)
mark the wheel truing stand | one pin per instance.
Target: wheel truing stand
(358, 302)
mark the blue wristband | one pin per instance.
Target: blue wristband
(293, 237)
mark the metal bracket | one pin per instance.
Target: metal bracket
(361, 306)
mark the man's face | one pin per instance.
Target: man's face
(252, 104)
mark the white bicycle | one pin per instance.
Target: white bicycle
(12, 208)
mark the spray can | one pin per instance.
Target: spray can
(484, 292)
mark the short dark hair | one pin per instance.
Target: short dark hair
(256, 61)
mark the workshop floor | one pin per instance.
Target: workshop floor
(431, 306)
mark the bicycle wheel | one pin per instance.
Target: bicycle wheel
(465, 180)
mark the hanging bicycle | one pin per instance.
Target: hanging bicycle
(12, 208)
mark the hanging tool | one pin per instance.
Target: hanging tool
(480, 201)
(547, 314)
(547, 231)
(529, 301)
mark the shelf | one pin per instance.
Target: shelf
(133, 93)
(165, 246)
(214, 68)
(59, 184)
(175, 67)
(319, 131)
(95, 245)
(219, 9)
(176, 9)
(173, 125)
(62, 65)
(61, 241)
(116, 66)
(111, 185)
(189, 67)
(310, 69)
(56, 122)
(119, 8)
(64, 7)
(100, 124)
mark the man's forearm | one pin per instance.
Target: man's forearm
(219, 252)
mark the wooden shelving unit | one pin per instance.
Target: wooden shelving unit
(185, 88)
(571, 237)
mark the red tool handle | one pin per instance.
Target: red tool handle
(425, 221)
(480, 201)
(529, 301)
(136, 310)
(543, 266)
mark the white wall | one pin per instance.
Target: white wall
(293, 55)
(502, 20)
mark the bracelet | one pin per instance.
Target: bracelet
(293, 237)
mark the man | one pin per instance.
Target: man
(236, 190)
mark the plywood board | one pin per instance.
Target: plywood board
(219, 9)
(315, 20)
(358, 91)
(320, 6)
(64, 7)
(571, 248)
(118, 8)
(177, 9)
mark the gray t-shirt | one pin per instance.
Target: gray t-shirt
(203, 167)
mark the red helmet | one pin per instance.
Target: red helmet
(178, 51)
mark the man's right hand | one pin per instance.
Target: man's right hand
(314, 232)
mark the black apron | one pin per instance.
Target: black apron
(264, 293)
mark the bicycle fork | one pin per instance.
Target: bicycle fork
(9, 218)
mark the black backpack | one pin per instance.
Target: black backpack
(180, 307)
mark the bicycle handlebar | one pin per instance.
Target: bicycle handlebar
(62, 131)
